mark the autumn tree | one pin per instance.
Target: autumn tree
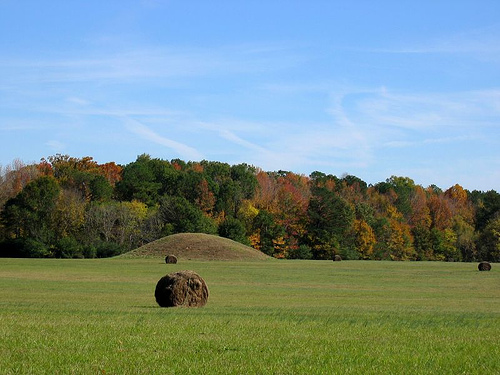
(440, 211)
(266, 193)
(205, 198)
(246, 214)
(290, 208)
(111, 172)
(322, 180)
(93, 181)
(465, 238)
(69, 214)
(393, 234)
(352, 189)
(14, 177)
(75, 207)
(364, 238)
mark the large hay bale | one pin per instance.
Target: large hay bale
(171, 259)
(484, 266)
(337, 258)
(182, 288)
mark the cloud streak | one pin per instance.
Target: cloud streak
(481, 42)
(146, 133)
(143, 64)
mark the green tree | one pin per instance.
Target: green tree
(466, 239)
(233, 229)
(489, 242)
(422, 242)
(488, 208)
(30, 214)
(100, 188)
(404, 188)
(244, 175)
(330, 217)
(139, 182)
(444, 245)
(181, 216)
(268, 230)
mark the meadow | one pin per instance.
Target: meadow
(99, 316)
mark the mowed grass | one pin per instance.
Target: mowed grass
(262, 317)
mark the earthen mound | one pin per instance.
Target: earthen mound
(484, 266)
(198, 246)
(182, 288)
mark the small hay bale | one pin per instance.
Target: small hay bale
(182, 288)
(337, 258)
(171, 259)
(484, 266)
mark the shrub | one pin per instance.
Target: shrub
(301, 252)
(108, 249)
(349, 253)
(68, 247)
(24, 248)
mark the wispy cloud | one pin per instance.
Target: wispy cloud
(150, 63)
(78, 101)
(425, 111)
(432, 141)
(144, 132)
(56, 146)
(481, 42)
(230, 136)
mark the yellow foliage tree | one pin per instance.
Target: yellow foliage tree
(364, 238)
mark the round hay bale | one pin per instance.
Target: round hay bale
(170, 259)
(182, 288)
(337, 258)
(484, 266)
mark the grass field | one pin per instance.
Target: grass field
(262, 317)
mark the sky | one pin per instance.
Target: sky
(366, 88)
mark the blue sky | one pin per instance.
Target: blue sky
(369, 88)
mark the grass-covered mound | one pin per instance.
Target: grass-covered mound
(198, 246)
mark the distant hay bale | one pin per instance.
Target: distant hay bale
(484, 266)
(337, 258)
(182, 288)
(170, 259)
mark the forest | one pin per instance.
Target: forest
(68, 207)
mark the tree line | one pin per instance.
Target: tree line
(69, 207)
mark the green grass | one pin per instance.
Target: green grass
(269, 317)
